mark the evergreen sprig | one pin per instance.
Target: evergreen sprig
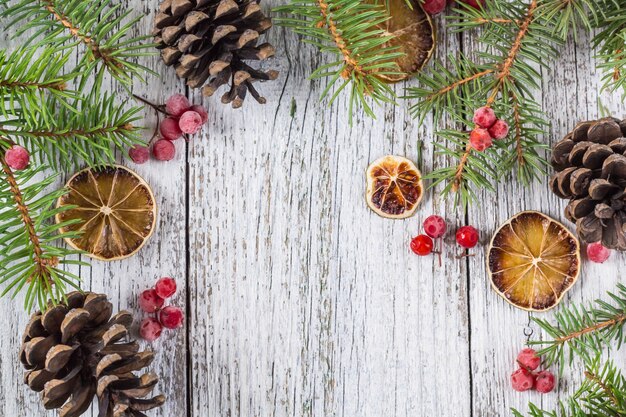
(29, 259)
(90, 134)
(351, 30)
(100, 27)
(603, 393)
(45, 107)
(610, 41)
(27, 78)
(584, 331)
(517, 40)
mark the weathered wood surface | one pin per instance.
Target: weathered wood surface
(300, 300)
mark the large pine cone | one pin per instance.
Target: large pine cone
(76, 351)
(591, 171)
(209, 40)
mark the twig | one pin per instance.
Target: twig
(352, 65)
(459, 83)
(598, 326)
(97, 51)
(505, 71)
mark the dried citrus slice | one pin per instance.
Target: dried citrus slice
(116, 209)
(414, 35)
(394, 187)
(533, 260)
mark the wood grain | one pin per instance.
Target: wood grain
(300, 300)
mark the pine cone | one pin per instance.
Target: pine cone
(591, 171)
(76, 351)
(209, 40)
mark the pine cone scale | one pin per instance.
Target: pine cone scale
(590, 171)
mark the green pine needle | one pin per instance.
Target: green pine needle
(100, 27)
(29, 259)
(351, 30)
(584, 331)
(602, 394)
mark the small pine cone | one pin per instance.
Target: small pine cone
(76, 351)
(590, 165)
(208, 42)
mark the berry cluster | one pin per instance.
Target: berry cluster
(598, 253)
(17, 158)
(152, 301)
(182, 118)
(525, 377)
(433, 7)
(435, 227)
(488, 128)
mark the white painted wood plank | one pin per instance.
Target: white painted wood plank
(307, 303)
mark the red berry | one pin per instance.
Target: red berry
(598, 253)
(467, 236)
(499, 130)
(522, 380)
(434, 6)
(165, 287)
(139, 154)
(17, 158)
(171, 317)
(528, 359)
(163, 150)
(545, 382)
(202, 112)
(485, 117)
(422, 245)
(149, 301)
(177, 105)
(480, 139)
(190, 122)
(435, 226)
(170, 129)
(150, 329)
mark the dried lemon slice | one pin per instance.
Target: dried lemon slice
(533, 260)
(116, 209)
(394, 187)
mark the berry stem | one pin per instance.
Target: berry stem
(521, 365)
(465, 255)
(156, 107)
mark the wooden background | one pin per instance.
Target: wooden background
(300, 300)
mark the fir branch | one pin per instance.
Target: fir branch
(27, 78)
(610, 41)
(89, 134)
(584, 331)
(516, 36)
(350, 29)
(28, 260)
(84, 22)
(603, 393)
